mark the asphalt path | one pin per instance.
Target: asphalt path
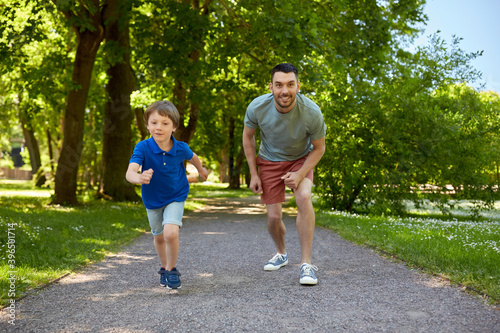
(223, 250)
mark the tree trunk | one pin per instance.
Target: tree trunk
(181, 88)
(185, 133)
(118, 117)
(34, 151)
(51, 152)
(234, 165)
(69, 159)
(139, 121)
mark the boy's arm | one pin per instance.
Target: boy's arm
(197, 163)
(134, 177)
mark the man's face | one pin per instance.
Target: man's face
(284, 89)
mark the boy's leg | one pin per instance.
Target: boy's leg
(172, 221)
(161, 250)
(171, 238)
(155, 217)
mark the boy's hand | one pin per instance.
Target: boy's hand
(146, 176)
(203, 173)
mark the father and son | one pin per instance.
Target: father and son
(292, 133)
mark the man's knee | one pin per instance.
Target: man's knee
(274, 214)
(303, 195)
(273, 218)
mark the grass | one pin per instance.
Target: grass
(466, 251)
(41, 243)
(217, 190)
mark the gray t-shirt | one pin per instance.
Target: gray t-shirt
(285, 136)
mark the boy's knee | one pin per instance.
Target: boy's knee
(159, 239)
(170, 235)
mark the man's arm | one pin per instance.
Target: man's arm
(249, 148)
(293, 179)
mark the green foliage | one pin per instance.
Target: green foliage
(35, 86)
(409, 134)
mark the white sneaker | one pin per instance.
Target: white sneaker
(307, 275)
(276, 262)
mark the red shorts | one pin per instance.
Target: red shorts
(270, 173)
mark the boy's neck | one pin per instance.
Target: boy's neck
(165, 145)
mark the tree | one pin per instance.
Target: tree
(392, 135)
(85, 18)
(211, 58)
(33, 80)
(117, 131)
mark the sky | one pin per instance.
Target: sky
(478, 23)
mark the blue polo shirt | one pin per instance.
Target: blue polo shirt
(169, 182)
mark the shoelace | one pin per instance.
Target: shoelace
(277, 257)
(307, 269)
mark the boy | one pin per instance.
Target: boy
(164, 185)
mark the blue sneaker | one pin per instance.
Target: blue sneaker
(276, 262)
(307, 275)
(163, 277)
(173, 280)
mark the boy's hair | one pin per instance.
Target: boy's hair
(164, 109)
(285, 68)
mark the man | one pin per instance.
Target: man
(292, 132)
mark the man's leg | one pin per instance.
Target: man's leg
(305, 218)
(277, 230)
(276, 227)
(305, 228)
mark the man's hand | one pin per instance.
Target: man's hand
(292, 180)
(256, 185)
(146, 176)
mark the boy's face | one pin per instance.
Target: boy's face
(160, 127)
(284, 88)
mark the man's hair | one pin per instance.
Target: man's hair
(285, 68)
(164, 109)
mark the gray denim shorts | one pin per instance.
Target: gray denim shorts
(170, 214)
